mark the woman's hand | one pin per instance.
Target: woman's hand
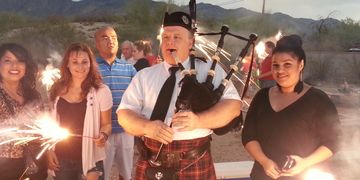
(52, 160)
(299, 167)
(271, 169)
(101, 140)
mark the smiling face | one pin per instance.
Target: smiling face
(79, 65)
(11, 69)
(178, 39)
(286, 69)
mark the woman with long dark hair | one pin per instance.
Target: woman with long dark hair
(82, 104)
(18, 74)
(292, 126)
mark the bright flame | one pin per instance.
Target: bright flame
(44, 129)
(49, 129)
(316, 174)
(260, 47)
(278, 35)
(49, 76)
(260, 50)
(161, 30)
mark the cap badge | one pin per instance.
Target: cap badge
(185, 19)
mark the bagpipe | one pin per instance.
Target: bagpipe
(198, 96)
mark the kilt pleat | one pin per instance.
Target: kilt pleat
(202, 169)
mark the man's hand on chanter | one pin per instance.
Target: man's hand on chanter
(159, 131)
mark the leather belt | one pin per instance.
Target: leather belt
(192, 154)
(171, 159)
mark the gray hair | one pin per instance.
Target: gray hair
(127, 42)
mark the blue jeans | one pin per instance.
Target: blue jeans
(72, 170)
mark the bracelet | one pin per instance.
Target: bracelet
(105, 135)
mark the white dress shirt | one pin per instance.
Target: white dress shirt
(142, 93)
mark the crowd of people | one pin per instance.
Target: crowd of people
(113, 98)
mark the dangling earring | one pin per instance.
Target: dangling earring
(299, 85)
(279, 87)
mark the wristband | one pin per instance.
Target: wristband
(105, 135)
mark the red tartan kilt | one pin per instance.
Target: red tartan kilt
(203, 169)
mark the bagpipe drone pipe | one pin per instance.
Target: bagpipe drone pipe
(198, 96)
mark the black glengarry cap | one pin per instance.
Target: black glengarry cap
(178, 19)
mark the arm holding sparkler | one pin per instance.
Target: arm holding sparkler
(105, 127)
(53, 162)
(326, 123)
(319, 155)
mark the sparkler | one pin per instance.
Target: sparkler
(278, 35)
(313, 174)
(260, 47)
(260, 50)
(43, 129)
(49, 76)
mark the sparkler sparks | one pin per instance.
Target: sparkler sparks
(206, 47)
(49, 75)
(260, 50)
(260, 47)
(43, 129)
(313, 174)
(278, 35)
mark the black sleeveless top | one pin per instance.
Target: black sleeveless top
(72, 117)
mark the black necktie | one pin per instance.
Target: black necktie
(163, 101)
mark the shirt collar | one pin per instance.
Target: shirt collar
(185, 63)
(100, 60)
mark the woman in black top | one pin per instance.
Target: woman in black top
(291, 119)
(139, 56)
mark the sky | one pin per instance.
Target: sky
(313, 9)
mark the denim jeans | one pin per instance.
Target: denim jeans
(72, 170)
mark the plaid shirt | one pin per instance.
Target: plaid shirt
(117, 76)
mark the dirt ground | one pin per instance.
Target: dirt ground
(228, 148)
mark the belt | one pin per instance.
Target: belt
(192, 154)
(171, 159)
